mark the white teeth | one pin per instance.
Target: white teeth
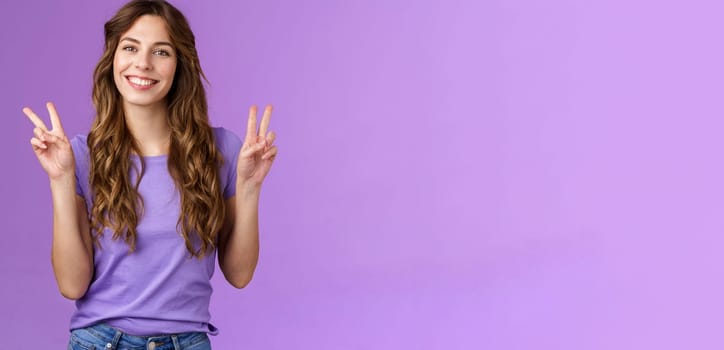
(139, 81)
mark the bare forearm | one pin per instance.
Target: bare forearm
(242, 248)
(71, 258)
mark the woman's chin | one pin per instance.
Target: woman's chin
(142, 102)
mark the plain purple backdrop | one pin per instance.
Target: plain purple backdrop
(452, 174)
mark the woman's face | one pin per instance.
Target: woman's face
(145, 62)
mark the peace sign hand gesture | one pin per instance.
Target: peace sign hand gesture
(51, 147)
(258, 151)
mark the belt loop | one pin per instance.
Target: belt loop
(176, 345)
(116, 339)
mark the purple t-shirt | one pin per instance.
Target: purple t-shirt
(159, 288)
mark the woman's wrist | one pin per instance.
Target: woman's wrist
(247, 190)
(62, 182)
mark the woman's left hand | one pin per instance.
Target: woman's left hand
(258, 151)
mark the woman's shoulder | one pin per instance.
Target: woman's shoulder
(79, 141)
(79, 144)
(227, 141)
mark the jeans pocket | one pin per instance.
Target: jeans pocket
(200, 342)
(86, 339)
(79, 344)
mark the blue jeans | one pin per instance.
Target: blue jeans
(103, 337)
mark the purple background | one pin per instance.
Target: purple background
(452, 174)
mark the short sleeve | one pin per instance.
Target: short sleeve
(80, 153)
(229, 145)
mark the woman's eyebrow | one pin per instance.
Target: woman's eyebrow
(136, 41)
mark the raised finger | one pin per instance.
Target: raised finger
(54, 119)
(251, 126)
(265, 120)
(34, 118)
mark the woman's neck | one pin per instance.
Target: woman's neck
(149, 127)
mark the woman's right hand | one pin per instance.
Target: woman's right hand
(51, 147)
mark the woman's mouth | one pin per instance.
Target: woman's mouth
(141, 83)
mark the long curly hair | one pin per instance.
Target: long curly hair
(193, 159)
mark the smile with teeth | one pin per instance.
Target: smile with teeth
(141, 82)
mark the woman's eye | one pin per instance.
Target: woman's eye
(162, 53)
(129, 48)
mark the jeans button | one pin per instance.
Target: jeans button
(151, 346)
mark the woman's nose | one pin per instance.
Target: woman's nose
(143, 62)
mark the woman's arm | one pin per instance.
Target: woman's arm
(239, 239)
(239, 242)
(72, 249)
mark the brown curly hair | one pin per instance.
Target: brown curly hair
(193, 159)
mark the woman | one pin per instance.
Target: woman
(142, 204)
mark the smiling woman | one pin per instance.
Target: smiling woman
(151, 176)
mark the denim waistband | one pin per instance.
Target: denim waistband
(113, 338)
